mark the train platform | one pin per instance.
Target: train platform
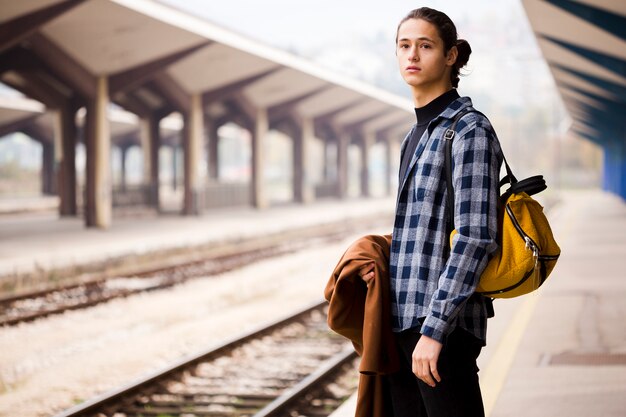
(562, 350)
(41, 242)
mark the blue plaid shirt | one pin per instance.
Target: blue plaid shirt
(431, 291)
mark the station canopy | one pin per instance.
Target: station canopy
(584, 44)
(156, 56)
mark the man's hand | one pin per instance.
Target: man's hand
(367, 273)
(425, 356)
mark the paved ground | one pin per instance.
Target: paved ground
(41, 241)
(562, 352)
(559, 353)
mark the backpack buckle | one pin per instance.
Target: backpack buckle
(449, 134)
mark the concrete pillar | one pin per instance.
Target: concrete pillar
(57, 137)
(614, 169)
(123, 154)
(146, 149)
(65, 159)
(48, 182)
(367, 140)
(303, 187)
(98, 202)
(150, 144)
(342, 165)
(193, 154)
(213, 159)
(326, 160)
(261, 127)
(174, 167)
(388, 167)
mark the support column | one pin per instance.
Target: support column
(388, 167)
(48, 182)
(367, 141)
(123, 153)
(150, 144)
(98, 203)
(65, 159)
(614, 169)
(342, 165)
(175, 167)
(213, 167)
(193, 152)
(303, 187)
(261, 127)
(329, 146)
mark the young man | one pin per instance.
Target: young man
(438, 320)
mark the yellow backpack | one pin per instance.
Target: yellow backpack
(527, 250)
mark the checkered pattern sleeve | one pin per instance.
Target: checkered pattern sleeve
(476, 166)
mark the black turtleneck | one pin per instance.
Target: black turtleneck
(424, 116)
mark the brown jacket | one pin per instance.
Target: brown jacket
(362, 313)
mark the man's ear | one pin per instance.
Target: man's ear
(453, 53)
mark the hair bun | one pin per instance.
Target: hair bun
(464, 50)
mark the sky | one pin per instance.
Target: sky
(507, 76)
(356, 38)
(312, 23)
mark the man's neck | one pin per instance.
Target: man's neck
(421, 96)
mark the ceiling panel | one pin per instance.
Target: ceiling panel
(216, 66)
(281, 86)
(12, 9)
(106, 38)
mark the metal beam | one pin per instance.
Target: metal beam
(381, 132)
(16, 30)
(24, 71)
(17, 59)
(286, 125)
(127, 79)
(281, 110)
(64, 66)
(228, 90)
(355, 126)
(173, 93)
(326, 117)
(394, 133)
(32, 84)
(19, 83)
(246, 106)
(240, 111)
(127, 140)
(325, 132)
(17, 125)
(38, 133)
(133, 104)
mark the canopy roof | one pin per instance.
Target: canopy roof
(584, 43)
(155, 56)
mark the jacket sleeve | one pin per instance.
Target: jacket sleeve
(476, 168)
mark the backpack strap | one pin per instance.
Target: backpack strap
(510, 178)
(449, 134)
(531, 185)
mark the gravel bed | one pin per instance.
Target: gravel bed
(52, 363)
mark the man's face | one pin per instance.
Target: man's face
(420, 53)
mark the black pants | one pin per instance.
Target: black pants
(458, 393)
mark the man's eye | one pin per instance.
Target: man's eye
(426, 46)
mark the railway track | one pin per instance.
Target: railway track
(33, 305)
(292, 367)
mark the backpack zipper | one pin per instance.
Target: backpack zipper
(530, 243)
